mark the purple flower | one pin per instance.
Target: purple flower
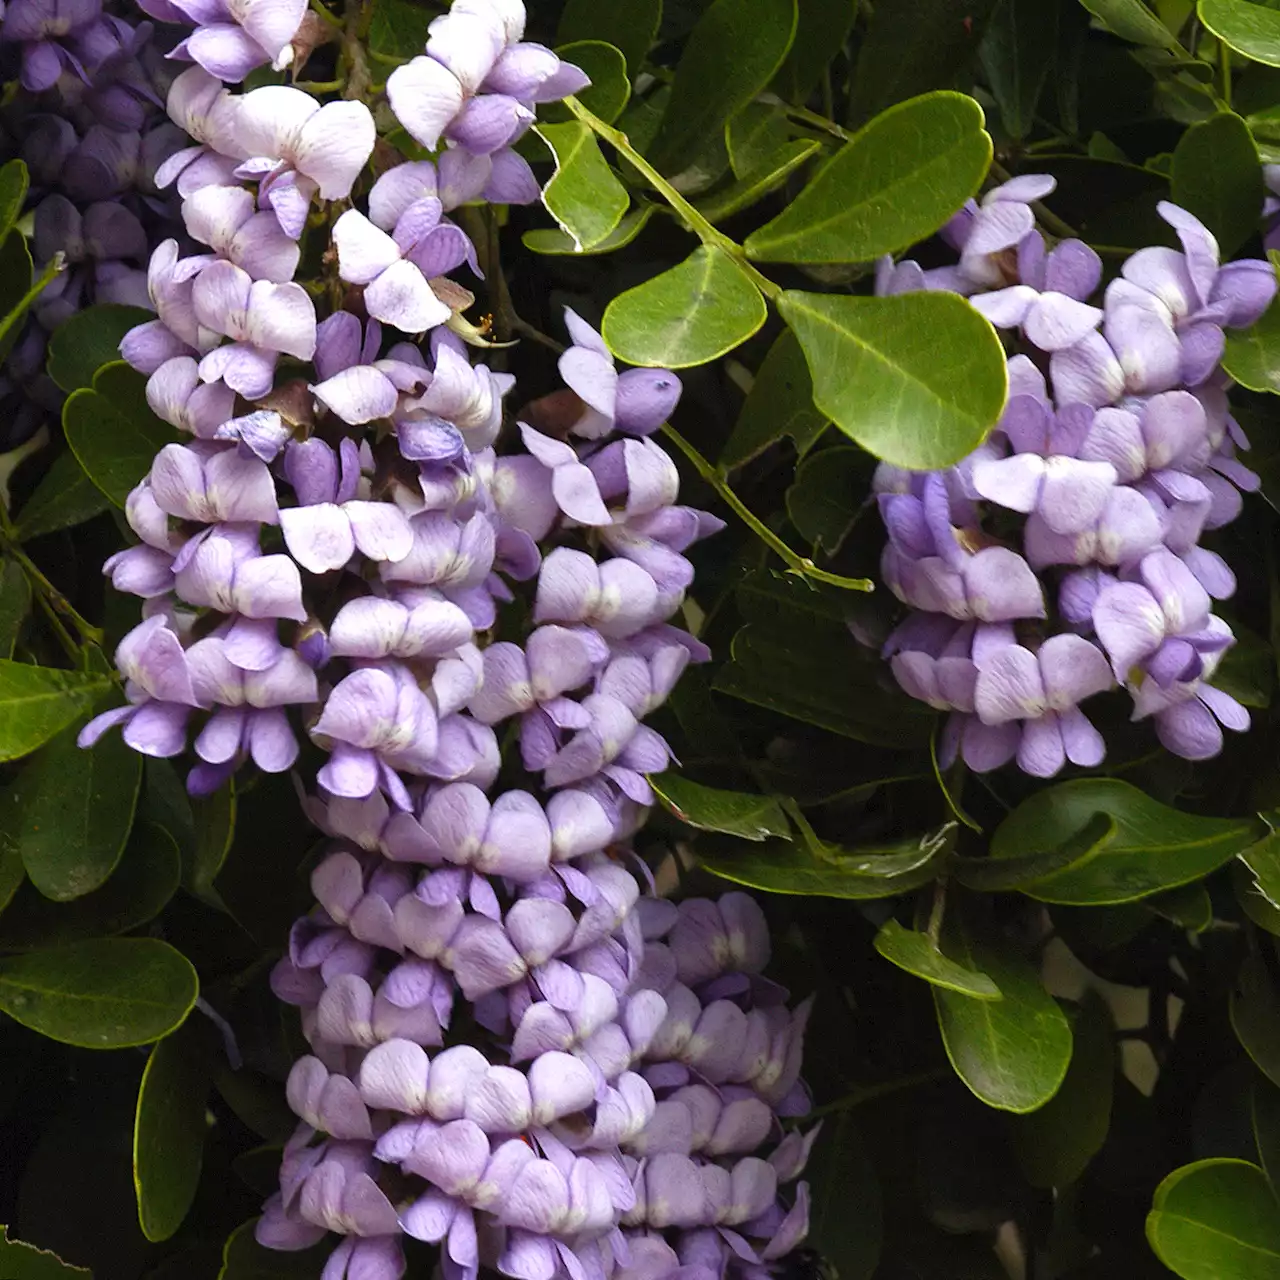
(354, 384)
(465, 396)
(40, 26)
(232, 37)
(225, 218)
(176, 394)
(224, 570)
(212, 483)
(616, 598)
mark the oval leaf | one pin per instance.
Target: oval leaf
(780, 403)
(689, 315)
(1154, 848)
(1216, 1220)
(38, 702)
(65, 497)
(609, 90)
(1012, 1053)
(90, 339)
(729, 57)
(917, 954)
(993, 874)
(1132, 20)
(630, 28)
(557, 243)
(22, 1261)
(733, 812)
(1255, 1016)
(917, 380)
(1249, 28)
(1217, 176)
(169, 1129)
(112, 431)
(758, 183)
(15, 604)
(107, 994)
(895, 182)
(583, 196)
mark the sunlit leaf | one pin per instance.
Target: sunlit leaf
(919, 955)
(1249, 28)
(583, 196)
(38, 702)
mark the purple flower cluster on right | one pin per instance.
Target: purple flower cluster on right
(1063, 557)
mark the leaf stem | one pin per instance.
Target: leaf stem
(48, 594)
(324, 15)
(57, 264)
(797, 563)
(805, 116)
(692, 218)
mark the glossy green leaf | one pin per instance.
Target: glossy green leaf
(760, 182)
(583, 196)
(215, 827)
(755, 133)
(556, 243)
(917, 380)
(1018, 53)
(106, 994)
(912, 46)
(65, 497)
(736, 813)
(1155, 847)
(398, 29)
(169, 1130)
(732, 53)
(778, 866)
(90, 339)
(823, 28)
(825, 499)
(780, 403)
(1249, 28)
(70, 812)
(630, 27)
(1216, 1220)
(1255, 904)
(112, 431)
(1255, 1016)
(993, 874)
(846, 1216)
(13, 194)
(15, 604)
(137, 891)
(1216, 175)
(609, 90)
(244, 1258)
(1055, 1143)
(1133, 20)
(38, 702)
(22, 1261)
(165, 802)
(689, 315)
(1012, 1053)
(918, 955)
(895, 182)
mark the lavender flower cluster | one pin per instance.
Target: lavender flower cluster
(516, 1054)
(1063, 557)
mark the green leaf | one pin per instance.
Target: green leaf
(13, 194)
(893, 183)
(1217, 176)
(70, 813)
(629, 27)
(169, 1130)
(912, 46)
(759, 183)
(38, 702)
(15, 604)
(90, 339)
(215, 825)
(609, 90)
(1255, 1016)
(846, 1218)
(823, 28)
(1055, 1143)
(583, 196)
(112, 431)
(1265, 1115)
(780, 403)
(1131, 20)
(22, 1261)
(552, 241)
(137, 891)
(165, 802)
(1155, 847)
(826, 498)
(778, 866)
(758, 131)
(108, 994)
(1216, 1220)
(1017, 54)
(992, 874)
(1252, 355)
(15, 287)
(733, 53)
(689, 315)
(1189, 907)
(918, 955)
(917, 380)
(736, 813)
(1012, 1053)
(245, 1259)
(1253, 901)
(1250, 29)
(65, 497)
(398, 28)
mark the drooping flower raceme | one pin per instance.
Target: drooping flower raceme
(323, 560)
(1119, 462)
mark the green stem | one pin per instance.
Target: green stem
(938, 911)
(857, 1097)
(55, 268)
(48, 594)
(1224, 69)
(811, 118)
(691, 217)
(1045, 217)
(796, 563)
(319, 86)
(325, 16)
